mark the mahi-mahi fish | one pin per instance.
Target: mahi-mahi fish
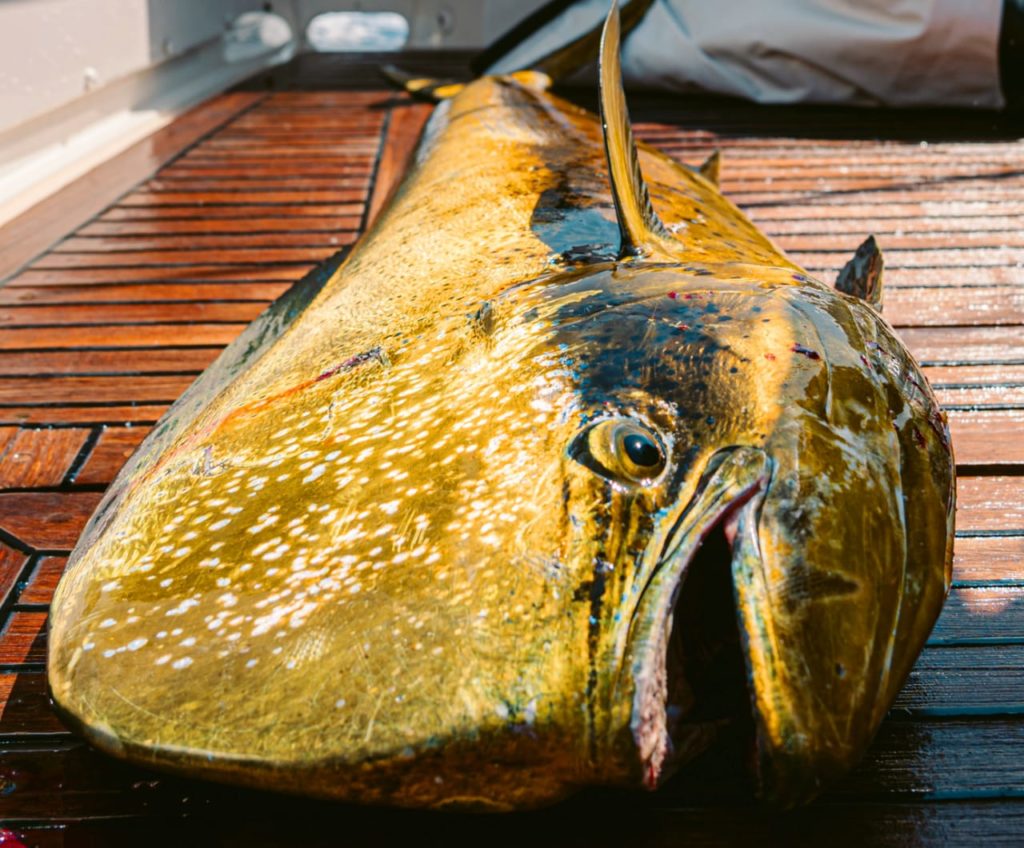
(563, 476)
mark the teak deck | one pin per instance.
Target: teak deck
(127, 284)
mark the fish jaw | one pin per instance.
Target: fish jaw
(729, 494)
(837, 587)
(812, 664)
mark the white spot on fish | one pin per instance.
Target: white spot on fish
(315, 472)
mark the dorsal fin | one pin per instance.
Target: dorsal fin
(641, 230)
(862, 275)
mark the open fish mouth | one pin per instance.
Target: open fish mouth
(686, 651)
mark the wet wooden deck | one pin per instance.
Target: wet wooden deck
(123, 287)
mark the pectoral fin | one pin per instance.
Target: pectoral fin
(862, 275)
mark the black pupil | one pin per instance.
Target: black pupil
(641, 450)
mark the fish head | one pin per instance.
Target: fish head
(565, 537)
(766, 486)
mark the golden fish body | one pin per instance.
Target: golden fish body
(431, 532)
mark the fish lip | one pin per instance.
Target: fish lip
(720, 497)
(677, 536)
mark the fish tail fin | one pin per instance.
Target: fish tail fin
(641, 230)
(421, 87)
(501, 56)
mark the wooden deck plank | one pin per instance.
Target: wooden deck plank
(967, 345)
(901, 240)
(981, 615)
(96, 390)
(403, 131)
(178, 360)
(84, 414)
(119, 335)
(142, 293)
(12, 563)
(267, 198)
(106, 314)
(988, 437)
(186, 171)
(952, 376)
(245, 225)
(42, 582)
(25, 707)
(967, 277)
(978, 397)
(191, 241)
(876, 197)
(989, 505)
(35, 277)
(949, 307)
(112, 450)
(250, 184)
(198, 256)
(32, 458)
(987, 559)
(63, 516)
(23, 639)
(299, 213)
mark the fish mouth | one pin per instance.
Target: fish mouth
(686, 652)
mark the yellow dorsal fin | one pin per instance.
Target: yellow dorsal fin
(641, 230)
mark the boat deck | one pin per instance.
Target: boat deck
(121, 288)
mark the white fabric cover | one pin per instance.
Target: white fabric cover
(868, 52)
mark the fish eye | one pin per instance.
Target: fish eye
(642, 451)
(621, 449)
